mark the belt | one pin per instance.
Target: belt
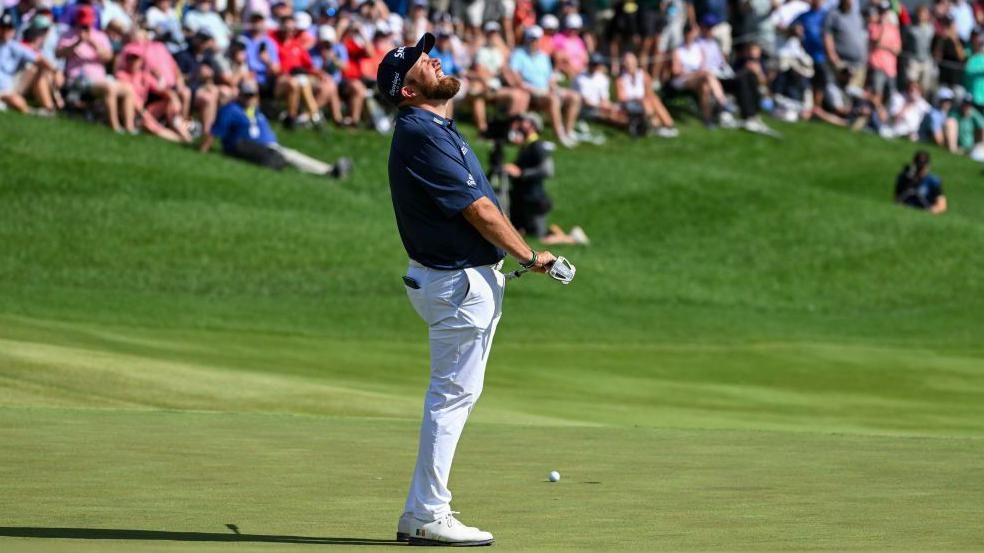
(496, 266)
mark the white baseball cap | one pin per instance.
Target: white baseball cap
(550, 22)
(303, 20)
(327, 33)
(533, 32)
(573, 21)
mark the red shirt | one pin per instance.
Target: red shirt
(356, 54)
(292, 53)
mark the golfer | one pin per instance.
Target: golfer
(456, 237)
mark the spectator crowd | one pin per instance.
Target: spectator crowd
(171, 67)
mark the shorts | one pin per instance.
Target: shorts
(17, 84)
(651, 22)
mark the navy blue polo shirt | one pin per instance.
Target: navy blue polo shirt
(434, 175)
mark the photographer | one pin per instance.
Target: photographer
(917, 187)
(528, 199)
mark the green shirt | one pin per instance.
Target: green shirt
(967, 127)
(974, 78)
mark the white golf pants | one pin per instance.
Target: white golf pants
(461, 309)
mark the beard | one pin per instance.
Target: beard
(445, 89)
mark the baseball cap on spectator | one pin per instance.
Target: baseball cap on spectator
(241, 42)
(204, 33)
(443, 33)
(491, 27)
(40, 22)
(573, 21)
(884, 5)
(248, 87)
(7, 20)
(709, 20)
(532, 33)
(944, 94)
(85, 16)
(327, 33)
(393, 69)
(549, 22)
(329, 12)
(302, 20)
(420, 3)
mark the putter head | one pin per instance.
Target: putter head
(562, 270)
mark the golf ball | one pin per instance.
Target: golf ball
(554, 476)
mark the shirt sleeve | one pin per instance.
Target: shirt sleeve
(437, 165)
(25, 54)
(222, 123)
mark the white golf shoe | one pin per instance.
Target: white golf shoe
(446, 530)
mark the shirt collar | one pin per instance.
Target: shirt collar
(428, 116)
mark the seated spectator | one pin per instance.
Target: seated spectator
(963, 127)
(236, 63)
(534, 73)
(261, 55)
(165, 23)
(933, 125)
(529, 203)
(550, 25)
(595, 88)
(152, 100)
(86, 52)
(689, 74)
(906, 114)
(23, 71)
(41, 36)
(202, 16)
(199, 65)
(749, 81)
(916, 187)
(329, 57)
(246, 134)
(487, 82)
(635, 94)
(158, 61)
(296, 81)
(570, 50)
(791, 86)
(357, 50)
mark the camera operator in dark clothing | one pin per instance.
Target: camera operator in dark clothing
(528, 199)
(917, 187)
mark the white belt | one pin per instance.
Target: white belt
(417, 264)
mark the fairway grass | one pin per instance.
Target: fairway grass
(181, 477)
(760, 352)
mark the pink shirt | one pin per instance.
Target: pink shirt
(157, 60)
(84, 60)
(573, 47)
(886, 36)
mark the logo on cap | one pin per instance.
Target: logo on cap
(395, 86)
(399, 52)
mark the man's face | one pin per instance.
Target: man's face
(429, 81)
(204, 6)
(249, 100)
(7, 33)
(257, 26)
(287, 25)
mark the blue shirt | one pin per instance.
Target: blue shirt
(812, 22)
(434, 175)
(253, 60)
(234, 123)
(13, 57)
(534, 68)
(448, 66)
(333, 69)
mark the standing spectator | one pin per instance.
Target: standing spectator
(86, 52)
(246, 134)
(202, 16)
(918, 48)
(22, 70)
(755, 24)
(689, 74)
(974, 73)
(885, 46)
(949, 53)
(918, 188)
(635, 94)
(845, 41)
(963, 18)
(534, 73)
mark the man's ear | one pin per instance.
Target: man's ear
(408, 93)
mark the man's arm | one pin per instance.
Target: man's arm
(494, 227)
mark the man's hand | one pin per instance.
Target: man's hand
(512, 169)
(544, 260)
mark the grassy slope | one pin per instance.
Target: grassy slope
(771, 286)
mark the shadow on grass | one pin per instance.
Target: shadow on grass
(161, 535)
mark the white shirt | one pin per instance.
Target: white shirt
(595, 88)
